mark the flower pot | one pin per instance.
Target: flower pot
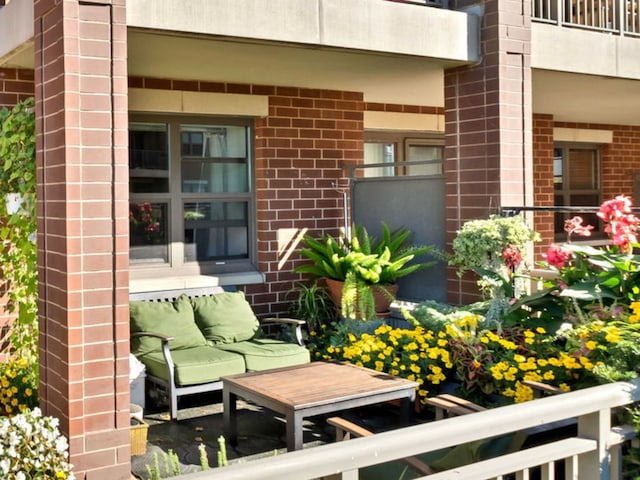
(382, 300)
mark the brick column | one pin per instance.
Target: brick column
(543, 180)
(488, 123)
(81, 108)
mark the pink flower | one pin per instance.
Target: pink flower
(557, 256)
(622, 224)
(574, 225)
(512, 256)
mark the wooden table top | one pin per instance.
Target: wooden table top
(317, 383)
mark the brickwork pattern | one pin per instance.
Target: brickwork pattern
(16, 84)
(81, 102)
(543, 180)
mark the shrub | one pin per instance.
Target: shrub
(31, 447)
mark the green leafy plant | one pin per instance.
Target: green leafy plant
(32, 447)
(312, 303)
(363, 263)
(18, 255)
(495, 249)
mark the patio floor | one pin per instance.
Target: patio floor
(260, 432)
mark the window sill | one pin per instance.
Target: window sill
(195, 281)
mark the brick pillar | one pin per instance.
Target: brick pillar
(488, 124)
(81, 108)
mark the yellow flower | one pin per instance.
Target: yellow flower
(591, 345)
(61, 475)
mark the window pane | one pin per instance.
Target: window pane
(583, 172)
(214, 159)
(213, 176)
(379, 153)
(214, 141)
(557, 169)
(148, 158)
(216, 230)
(148, 232)
(425, 153)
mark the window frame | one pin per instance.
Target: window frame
(176, 199)
(567, 192)
(402, 140)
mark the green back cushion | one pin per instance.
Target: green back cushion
(225, 317)
(174, 319)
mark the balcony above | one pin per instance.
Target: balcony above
(396, 28)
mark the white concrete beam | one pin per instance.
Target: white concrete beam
(16, 25)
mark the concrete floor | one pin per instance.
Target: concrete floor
(260, 433)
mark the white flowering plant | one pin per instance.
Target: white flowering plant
(32, 448)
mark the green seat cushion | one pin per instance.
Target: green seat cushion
(195, 365)
(267, 353)
(225, 317)
(174, 319)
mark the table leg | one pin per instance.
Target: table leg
(405, 411)
(230, 418)
(294, 431)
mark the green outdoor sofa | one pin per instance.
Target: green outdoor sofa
(189, 339)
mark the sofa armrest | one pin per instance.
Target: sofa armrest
(166, 352)
(287, 321)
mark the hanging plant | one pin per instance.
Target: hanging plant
(19, 253)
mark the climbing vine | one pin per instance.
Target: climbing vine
(18, 220)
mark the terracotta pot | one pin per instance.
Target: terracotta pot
(382, 301)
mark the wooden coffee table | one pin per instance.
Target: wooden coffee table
(311, 389)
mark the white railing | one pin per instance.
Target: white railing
(594, 453)
(614, 16)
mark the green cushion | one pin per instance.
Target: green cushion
(195, 365)
(267, 353)
(225, 317)
(174, 319)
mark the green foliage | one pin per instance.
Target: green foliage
(363, 262)
(171, 466)
(481, 243)
(222, 452)
(18, 260)
(313, 304)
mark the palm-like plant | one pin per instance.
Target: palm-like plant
(363, 263)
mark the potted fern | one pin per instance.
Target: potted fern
(359, 269)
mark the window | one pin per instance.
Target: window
(191, 194)
(576, 180)
(395, 148)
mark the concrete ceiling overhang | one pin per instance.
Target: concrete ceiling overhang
(382, 78)
(572, 97)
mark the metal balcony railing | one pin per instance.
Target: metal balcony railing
(620, 17)
(426, 3)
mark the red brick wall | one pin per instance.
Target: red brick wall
(15, 85)
(303, 147)
(543, 180)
